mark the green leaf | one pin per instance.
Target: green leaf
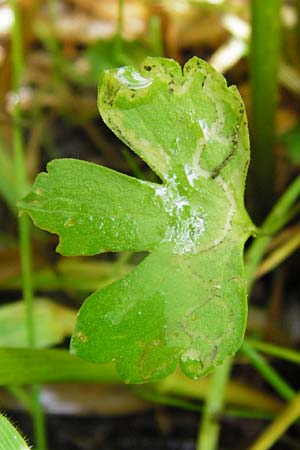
(53, 323)
(50, 366)
(186, 302)
(291, 141)
(83, 274)
(104, 54)
(95, 209)
(10, 439)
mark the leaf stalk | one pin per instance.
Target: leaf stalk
(23, 221)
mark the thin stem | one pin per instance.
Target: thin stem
(172, 400)
(273, 378)
(279, 255)
(265, 46)
(38, 419)
(24, 224)
(26, 263)
(210, 425)
(277, 218)
(120, 24)
(21, 395)
(298, 26)
(274, 350)
(279, 426)
(120, 17)
(155, 36)
(7, 182)
(28, 401)
(133, 165)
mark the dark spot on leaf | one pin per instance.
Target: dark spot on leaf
(148, 68)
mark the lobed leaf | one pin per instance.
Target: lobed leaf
(186, 302)
(94, 209)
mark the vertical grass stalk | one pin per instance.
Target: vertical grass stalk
(24, 223)
(277, 218)
(155, 36)
(274, 350)
(285, 419)
(268, 373)
(210, 425)
(120, 25)
(298, 26)
(265, 51)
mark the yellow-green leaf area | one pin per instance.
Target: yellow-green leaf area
(185, 304)
(10, 438)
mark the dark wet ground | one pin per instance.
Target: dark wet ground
(167, 429)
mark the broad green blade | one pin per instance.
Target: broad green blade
(186, 302)
(53, 323)
(184, 315)
(10, 439)
(81, 274)
(94, 209)
(30, 366)
(185, 124)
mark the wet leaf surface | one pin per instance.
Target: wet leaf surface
(186, 302)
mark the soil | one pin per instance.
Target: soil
(159, 429)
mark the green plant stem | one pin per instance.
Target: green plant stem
(279, 255)
(29, 402)
(273, 378)
(236, 394)
(277, 218)
(210, 426)
(26, 264)
(29, 366)
(274, 350)
(24, 223)
(170, 400)
(155, 35)
(298, 26)
(120, 18)
(265, 52)
(279, 426)
(119, 33)
(7, 182)
(133, 165)
(21, 395)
